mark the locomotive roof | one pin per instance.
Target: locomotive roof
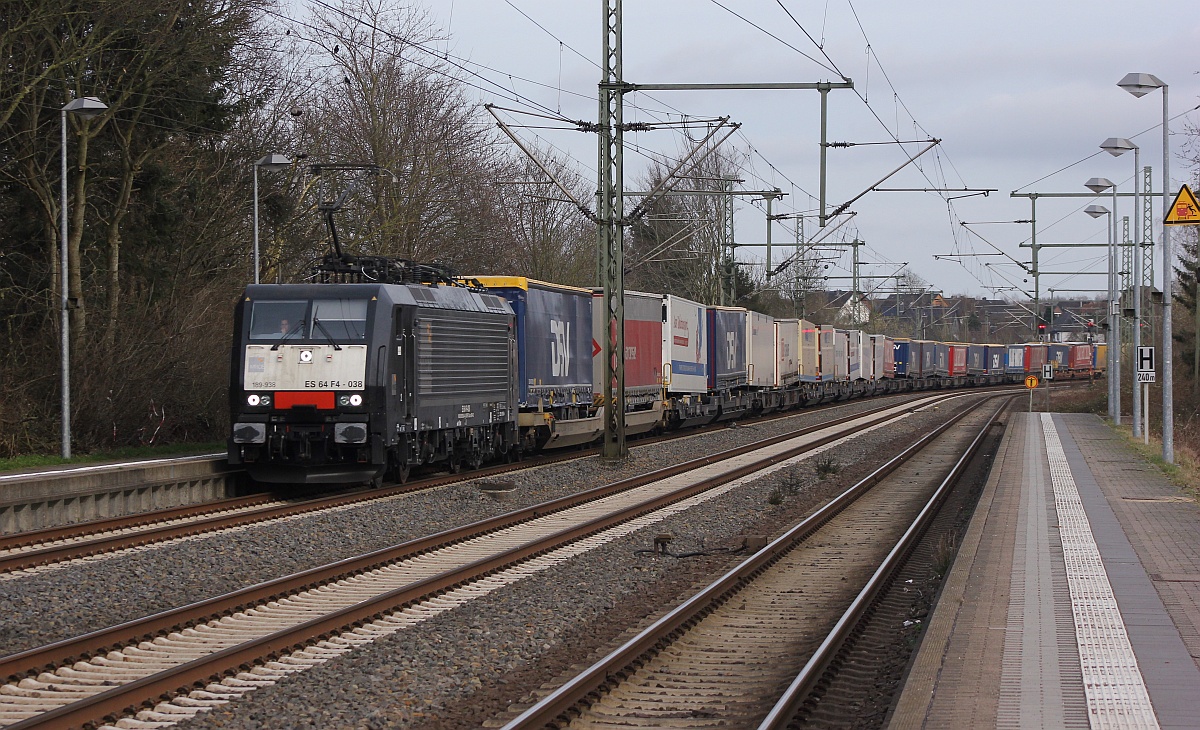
(438, 297)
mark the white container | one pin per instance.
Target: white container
(854, 354)
(685, 354)
(760, 350)
(787, 351)
(810, 352)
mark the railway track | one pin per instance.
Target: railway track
(748, 650)
(36, 549)
(277, 626)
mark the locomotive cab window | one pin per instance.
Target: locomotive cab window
(343, 319)
(271, 320)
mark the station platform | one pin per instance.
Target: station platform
(1074, 601)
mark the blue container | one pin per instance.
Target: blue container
(1014, 359)
(554, 340)
(726, 347)
(1060, 356)
(928, 358)
(907, 358)
(977, 359)
(941, 359)
(995, 359)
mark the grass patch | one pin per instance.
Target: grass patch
(826, 466)
(1184, 473)
(34, 461)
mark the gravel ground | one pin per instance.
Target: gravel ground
(464, 667)
(460, 667)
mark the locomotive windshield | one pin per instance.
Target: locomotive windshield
(343, 320)
(271, 320)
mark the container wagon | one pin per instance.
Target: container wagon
(787, 352)
(554, 359)
(958, 360)
(1036, 355)
(1014, 359)
(643, 358)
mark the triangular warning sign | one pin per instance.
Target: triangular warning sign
(1185, 211)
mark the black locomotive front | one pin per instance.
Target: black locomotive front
(346, 383)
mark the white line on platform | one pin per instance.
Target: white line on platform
(1116, 692)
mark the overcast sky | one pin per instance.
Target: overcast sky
(1015, 90)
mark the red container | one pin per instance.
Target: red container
(1079, 357)
(1036, 355)
(643, 342)
(958, 360)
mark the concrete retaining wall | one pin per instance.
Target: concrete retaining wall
(77, 494)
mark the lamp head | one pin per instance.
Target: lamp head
(1117, 146)
(274, 162)
(1098, 184)
(1096, 211)
(1140, 84)
(86, 107)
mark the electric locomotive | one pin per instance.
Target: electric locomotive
(350, 382)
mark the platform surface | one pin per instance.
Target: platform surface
(1074, 601)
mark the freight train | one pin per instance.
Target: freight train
(340, 383)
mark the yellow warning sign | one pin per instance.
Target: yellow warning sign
(1185, 211)
(1031, 381)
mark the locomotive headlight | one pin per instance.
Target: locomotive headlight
(343, 400)
(252, 399)
(265, 400)
(356, 400)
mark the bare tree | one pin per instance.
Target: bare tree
(552, 240)
(379, 98)
(678, 247)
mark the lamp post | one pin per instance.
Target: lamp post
(270, 162)
(1139, 85)
(1114, 392)
(85, 108)
(1117, 146)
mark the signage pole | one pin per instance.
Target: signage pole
(1146, 412)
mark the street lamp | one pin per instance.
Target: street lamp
(85, 108)
(270, 162)
(1139, 85)
(1114, 375)
(1117, 146)
(1099, 185)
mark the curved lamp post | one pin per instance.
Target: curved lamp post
(85, 108)
(1117, 146)
(269, 162)
(1114, 392)
(1139, 85)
